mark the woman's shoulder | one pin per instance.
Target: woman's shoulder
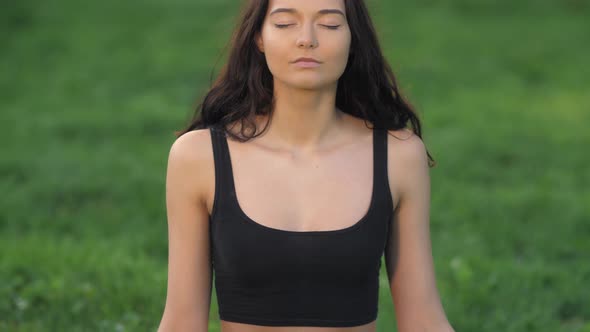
(405, 145)
(191, 158)
(193, 146)
(407, 160)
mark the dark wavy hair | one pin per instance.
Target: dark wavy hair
(367, 88)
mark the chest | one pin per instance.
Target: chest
(255, 256)
(329, 192)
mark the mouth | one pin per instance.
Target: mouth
(309, 60)
(306, 63)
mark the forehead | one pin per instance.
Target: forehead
(306, 6)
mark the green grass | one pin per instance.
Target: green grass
(91, 93)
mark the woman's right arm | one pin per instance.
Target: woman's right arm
(189, 271)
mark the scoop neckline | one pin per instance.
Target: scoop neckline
(357, 224)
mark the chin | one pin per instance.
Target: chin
(309, 84)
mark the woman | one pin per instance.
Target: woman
(297, 173)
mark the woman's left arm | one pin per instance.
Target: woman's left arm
(408, 257)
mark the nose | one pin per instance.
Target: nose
(307, 38)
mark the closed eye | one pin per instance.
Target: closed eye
(332, 27)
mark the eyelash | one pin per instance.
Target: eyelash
(331, 27)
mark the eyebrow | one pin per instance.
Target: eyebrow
(320, 12)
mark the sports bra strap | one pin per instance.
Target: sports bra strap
(380, 158)
(223, 172)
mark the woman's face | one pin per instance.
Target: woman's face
(315, 29)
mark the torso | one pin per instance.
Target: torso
(311, 190)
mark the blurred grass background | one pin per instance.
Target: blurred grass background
(91, 93)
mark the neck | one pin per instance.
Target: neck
(302, 119)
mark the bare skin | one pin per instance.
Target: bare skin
(310, 147)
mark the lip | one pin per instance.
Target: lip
(307, 63)
(303, 59)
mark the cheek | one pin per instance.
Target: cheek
(337, 50)
(277, 51)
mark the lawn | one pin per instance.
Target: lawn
(92, 92)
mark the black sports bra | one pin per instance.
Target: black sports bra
(272, 277)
